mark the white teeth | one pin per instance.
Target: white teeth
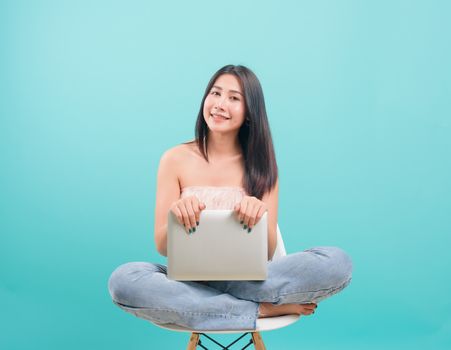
(218, 116)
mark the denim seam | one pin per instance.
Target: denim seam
(187, 312)
(331, 289)
(262, 296)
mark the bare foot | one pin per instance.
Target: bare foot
(271, 310)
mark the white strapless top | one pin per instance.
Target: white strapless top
(215, 197)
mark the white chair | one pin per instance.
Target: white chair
(263, 324)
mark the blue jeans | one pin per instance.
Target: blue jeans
(310, 276)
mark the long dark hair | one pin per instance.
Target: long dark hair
(260, 164)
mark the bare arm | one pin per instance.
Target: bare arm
(271, 200)
(168, 191)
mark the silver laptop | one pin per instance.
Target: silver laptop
(219, 250)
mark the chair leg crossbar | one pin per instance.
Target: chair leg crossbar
(256, 339)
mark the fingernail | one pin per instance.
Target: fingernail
(249, 230)
(245, 227)
(194, 229)
(197, 223)
(241, 222)
(189, 230)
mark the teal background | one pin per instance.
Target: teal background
(358, 96)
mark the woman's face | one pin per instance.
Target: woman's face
(224, 107)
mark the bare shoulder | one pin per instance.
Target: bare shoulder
(179, 154)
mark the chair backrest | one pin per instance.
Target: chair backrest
(280, 248)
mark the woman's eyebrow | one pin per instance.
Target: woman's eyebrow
(220, 88)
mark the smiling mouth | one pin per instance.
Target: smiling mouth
(218, 116)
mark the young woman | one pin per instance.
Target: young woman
(230, 165)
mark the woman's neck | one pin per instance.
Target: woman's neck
(222, 146)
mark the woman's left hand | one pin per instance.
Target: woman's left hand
(249, 211)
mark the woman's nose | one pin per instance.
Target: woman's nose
(219, 103)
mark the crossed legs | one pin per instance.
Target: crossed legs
(295, 283)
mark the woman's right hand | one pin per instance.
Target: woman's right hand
(187, 211)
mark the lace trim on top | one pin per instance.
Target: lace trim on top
(215, 197)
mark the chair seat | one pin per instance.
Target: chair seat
(263, 324)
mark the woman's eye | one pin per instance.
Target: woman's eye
(235, 98)
(215, 93)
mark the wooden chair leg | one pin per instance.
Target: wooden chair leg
(193, 341)
(258, 341)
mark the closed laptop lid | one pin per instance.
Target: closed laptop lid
(220, 249)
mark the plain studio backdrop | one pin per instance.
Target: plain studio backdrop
(358, 98)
